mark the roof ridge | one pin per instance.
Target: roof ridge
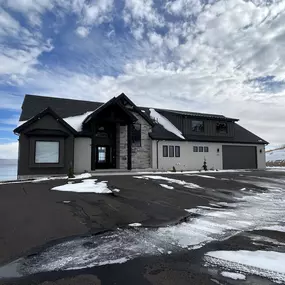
(67, 99)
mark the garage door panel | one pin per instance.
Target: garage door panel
(239, 157)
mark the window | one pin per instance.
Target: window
(206, 149)
(222, 128)
(136, 134)
(201, 149)
(195, 148)
(198, 126)
(101, 154)
(171, 151)
(47, 152)
(177, 151)
(165, 151)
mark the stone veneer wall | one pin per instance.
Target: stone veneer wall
(123, 148)
(141, 156)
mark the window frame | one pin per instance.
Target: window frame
(32, 152)
(206, 149)
(177, 151)
(200, 130)
(218, 126)
(201, 149)
(195, 148)
(165, 154)
(47, 141)
(134, 135)
(171, 151)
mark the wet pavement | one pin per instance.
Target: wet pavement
(202, 213)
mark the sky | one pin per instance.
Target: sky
(224, 57)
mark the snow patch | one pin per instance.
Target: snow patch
(135, 225)
(86, 186)
(116, 190)
(206, 176)
(269, 264)
(233, 275)
(165, 123)
(81, 176)
(276, 228)
(170, 180)
(166, 186)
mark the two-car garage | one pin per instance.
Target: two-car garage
(239, 157)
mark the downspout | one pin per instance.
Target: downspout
(157, 153)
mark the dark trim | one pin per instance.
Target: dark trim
(129, 146)
(44, 132)
(93, 149)
(111, 102)
(135, 108)
(39, 116)
(32, 153)
(157, 153)
(153, 137)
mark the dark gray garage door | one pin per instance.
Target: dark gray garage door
(239, 157)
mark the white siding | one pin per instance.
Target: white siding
(82, 155)
(190, 160)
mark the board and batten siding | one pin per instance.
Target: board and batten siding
(190, 160)
(82, 154)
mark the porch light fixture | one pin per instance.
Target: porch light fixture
(260, 150)
(218, 150)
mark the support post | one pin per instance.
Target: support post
(129, 146)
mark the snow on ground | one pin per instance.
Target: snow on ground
(233, 275)
(277, 228)
(135, 225)
(268, 264)
(170, 180)
(165, 123)
(166, 186)
(81, 176)
(206, 176)
(252, 212)
(86, 186)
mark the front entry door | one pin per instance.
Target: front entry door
(103, 157)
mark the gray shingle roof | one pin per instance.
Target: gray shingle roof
(33, 104)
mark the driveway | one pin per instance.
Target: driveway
(158, 229)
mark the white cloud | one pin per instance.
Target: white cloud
(97, 12)
(203, 65)
(142, 11)
(10, 121)
(9, 150)
(83, 32)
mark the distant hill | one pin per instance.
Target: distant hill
(276, 157)
(8, 161)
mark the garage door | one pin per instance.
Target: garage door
(239, 157)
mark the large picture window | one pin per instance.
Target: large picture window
(198, 126)
(47, 152)
(136, 134)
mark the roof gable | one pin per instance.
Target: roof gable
(47, 111)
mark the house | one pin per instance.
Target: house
(57, 134)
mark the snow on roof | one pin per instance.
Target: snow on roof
(165, 123)
(76, 121)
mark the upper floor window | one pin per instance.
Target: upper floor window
(136, 134)
(198, 126)
(222, 128)
(195, 148)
